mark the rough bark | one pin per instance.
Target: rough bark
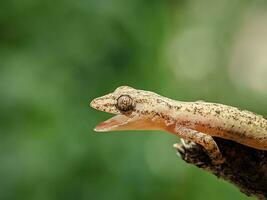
(245, 167)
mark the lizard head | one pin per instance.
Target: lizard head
(134, 110)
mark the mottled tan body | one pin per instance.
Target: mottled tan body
(195, 121)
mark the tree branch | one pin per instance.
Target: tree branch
(245, 167)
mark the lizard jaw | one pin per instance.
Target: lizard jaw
(122, 122)
(112, 124)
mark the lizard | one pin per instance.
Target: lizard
(197, 122)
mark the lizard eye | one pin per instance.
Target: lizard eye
(125, 103)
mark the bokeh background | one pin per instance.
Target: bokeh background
(56, 56)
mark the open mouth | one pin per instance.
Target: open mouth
(121, 121)
(124, 122)
(114, 123)
(117, 122)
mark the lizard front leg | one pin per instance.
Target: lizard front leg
(204, 140)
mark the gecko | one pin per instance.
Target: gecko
(197, 122)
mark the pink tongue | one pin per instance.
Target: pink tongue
(111, 124)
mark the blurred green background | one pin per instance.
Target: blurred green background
(56, 56)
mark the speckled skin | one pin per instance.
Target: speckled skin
(150, 111)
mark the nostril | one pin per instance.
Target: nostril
(92, 103)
